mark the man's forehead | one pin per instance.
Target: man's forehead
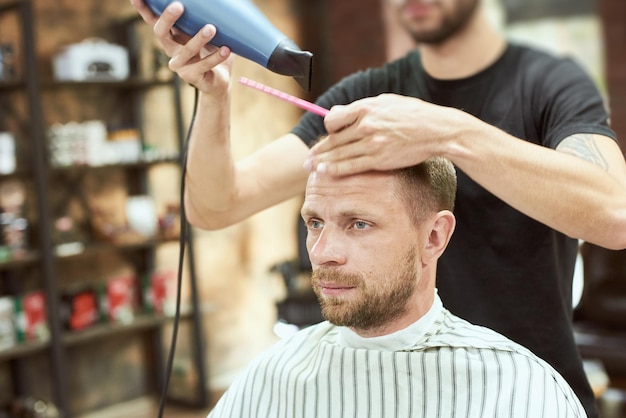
(324, 180)
(369, 195)
(365, 186)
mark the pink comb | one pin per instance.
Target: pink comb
(301, 103)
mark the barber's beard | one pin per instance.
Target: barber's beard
(450, 25)
(378, 300)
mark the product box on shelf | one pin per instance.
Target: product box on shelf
(8, 336)
(8, 62)
(119, 299)
(91, 59)
(79, 309)
(159, 291)
(31, 317)
(91, 143)
(13, 222)
(7, 153)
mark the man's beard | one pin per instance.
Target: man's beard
(375, 304)
(450, 25)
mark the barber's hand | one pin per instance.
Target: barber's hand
(382, 133)
(204, 66)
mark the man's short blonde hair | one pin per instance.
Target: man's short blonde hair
(428, 187)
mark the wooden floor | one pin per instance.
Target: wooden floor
(148, 408)
(176, 413)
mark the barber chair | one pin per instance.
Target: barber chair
(600, 320)
(600, 317)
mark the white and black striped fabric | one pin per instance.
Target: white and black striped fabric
(453, 369)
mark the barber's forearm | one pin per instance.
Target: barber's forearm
(210, 166)
(562, 191)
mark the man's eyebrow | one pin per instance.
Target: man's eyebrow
(307, 211)
(352, 214)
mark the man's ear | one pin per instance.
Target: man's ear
(441, 229)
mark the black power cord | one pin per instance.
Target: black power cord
(184, 226)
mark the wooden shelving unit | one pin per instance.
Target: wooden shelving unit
(45, 260)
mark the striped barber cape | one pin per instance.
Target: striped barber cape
(454, 369)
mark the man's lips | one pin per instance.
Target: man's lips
(334, 289)
(417, 10)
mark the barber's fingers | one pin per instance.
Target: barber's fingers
(201, 71)
(163, 26)
(341, 125)
(341, 116)
(195, 48)
(171, 39)
(337, 166)
(144, 11)
(341, 153)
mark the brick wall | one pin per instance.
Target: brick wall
(613, 13)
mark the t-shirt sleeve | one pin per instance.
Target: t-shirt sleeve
(570, 103)
(311, 126)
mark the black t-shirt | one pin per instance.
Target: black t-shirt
(501, 269)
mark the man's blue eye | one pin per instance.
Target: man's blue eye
(314, 224)
(360, 225)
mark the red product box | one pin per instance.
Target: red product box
(32, 319)
(80, 309)
(160, 284)
(121, 301)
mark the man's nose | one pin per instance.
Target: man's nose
(328, 249)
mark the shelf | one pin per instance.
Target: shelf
(33, 257)
(30, 258)
(7, 86)
(100, 247)
(141, 322)
(138, 164)
(131, 83)
(125, 106)
(23, 350)
(18, 173)
(9, 5)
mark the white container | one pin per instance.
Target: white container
(141, 215)
(7, 153)
(91, 59)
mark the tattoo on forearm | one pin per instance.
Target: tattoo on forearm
(584, 146)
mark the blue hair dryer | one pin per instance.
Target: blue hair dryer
(247, 32)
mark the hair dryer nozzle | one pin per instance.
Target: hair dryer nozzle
(288, 59)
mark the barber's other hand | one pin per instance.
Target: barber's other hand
(382, 133)
(204, 66)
